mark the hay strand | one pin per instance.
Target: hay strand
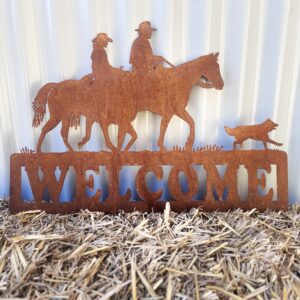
(191, 255)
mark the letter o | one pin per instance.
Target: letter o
(174, 183)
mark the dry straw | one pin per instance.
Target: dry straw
(193, 255)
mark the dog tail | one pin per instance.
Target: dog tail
(229, 130)
(276, 144)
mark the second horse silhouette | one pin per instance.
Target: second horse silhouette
(116, 97)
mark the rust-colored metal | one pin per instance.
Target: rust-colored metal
(181, 161)
(111, 95)
(256, 132)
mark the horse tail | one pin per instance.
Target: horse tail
(229, 130)
(39, 103)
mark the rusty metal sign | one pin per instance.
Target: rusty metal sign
(111, 95)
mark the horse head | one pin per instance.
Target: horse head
(211, 75)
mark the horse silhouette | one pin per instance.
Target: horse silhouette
(165, 91)
(68, 100)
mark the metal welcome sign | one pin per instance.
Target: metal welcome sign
(113, 96)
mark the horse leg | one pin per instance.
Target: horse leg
(65, 133)
(234, 145)
(121, 137)
(133, 134)
(184, 115)
(109, 144)
(51, 123)
(163, 127)
(88, 130)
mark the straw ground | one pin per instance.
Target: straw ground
(191, 255)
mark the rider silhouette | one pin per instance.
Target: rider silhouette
(141, 56)
(101, 68)
(100, 65)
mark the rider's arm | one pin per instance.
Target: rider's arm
(156, 60)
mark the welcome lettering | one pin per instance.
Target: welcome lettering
(221, 191)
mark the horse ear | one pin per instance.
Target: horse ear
(216, 54)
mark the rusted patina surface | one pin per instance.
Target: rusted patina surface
(259, 132)
(180, 161)
(110, 95)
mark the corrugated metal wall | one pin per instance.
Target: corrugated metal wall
(258, 40)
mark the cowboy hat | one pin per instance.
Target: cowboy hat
(145, 25)
(102, 36)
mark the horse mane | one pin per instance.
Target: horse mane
(192, 69)
(209, 59)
